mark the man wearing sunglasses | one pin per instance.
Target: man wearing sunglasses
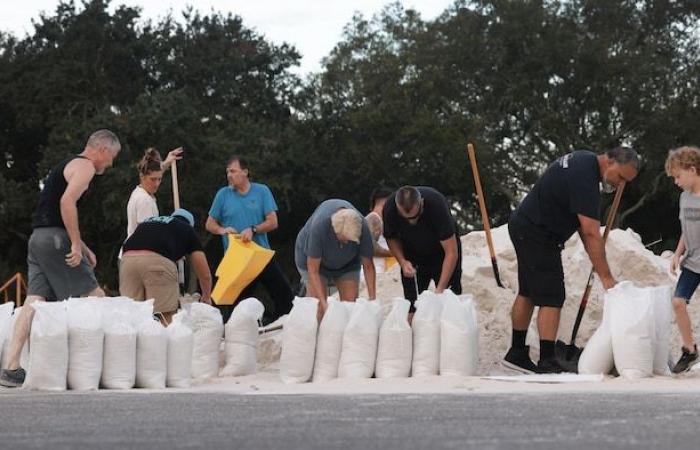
(422, 236)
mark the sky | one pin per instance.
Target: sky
(312, 26)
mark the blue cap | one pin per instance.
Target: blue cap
(185, 215)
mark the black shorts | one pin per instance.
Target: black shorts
(412, 287)
(540, 271)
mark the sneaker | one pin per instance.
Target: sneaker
(519, 360)
(12, 378)
(549, 366)
(686, 361)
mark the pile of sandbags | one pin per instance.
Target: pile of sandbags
(354, 341)
(113, 343)
(634, 334)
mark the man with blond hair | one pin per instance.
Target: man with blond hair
(331, 247)
(60, 265)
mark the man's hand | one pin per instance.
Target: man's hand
(322, 306)
(247, 235)
(228, 230)
(90, 256)
(608, 283)
(407, 269)
(206, 300)
(75, 256)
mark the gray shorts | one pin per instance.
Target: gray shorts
(49, 275)
(330, 280)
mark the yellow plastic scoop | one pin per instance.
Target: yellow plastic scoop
(241, 264)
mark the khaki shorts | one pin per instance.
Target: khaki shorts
(142, 277)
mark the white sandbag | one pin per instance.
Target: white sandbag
(141, 312)
(395, 348)
(426, 335)
(5, 325)
(85, 344)
(151, 355)
(663, 318)
(119, 357)
(360, 339)
(329, 343)
(208, 330)
(459, 335)
(24, 355)
(299, 341)
(48, 360)
(241, 338)
(597, 355)
(180, 344)
(632, 330)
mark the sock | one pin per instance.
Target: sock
(546, 349)
(518, 338)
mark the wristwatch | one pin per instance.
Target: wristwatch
(254, 229)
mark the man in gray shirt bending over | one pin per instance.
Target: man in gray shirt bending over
(331, 247)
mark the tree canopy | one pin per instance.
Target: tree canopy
(395, 103)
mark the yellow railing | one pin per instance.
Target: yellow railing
(17, 282)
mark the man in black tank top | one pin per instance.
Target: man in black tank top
(60, 265)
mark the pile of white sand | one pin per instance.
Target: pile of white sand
(628, 258)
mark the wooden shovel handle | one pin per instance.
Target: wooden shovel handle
(480, 198)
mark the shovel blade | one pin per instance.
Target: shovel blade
(567, 355)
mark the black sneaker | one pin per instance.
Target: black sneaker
(687, 360)
(549, 366)
(519, 360)
(12, 378)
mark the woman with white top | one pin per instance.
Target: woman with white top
(376, 226)
(142, 202)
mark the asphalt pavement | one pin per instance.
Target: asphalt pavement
(71, 420)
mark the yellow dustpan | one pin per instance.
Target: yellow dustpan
(239, 267)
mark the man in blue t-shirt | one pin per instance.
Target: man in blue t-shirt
(249, 209)
(565, 200)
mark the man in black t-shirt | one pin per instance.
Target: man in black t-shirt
(422, 236)
(564, 200)
(148, 268)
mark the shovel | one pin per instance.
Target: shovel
(484, 213)
(176, 204)
(568, 354)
